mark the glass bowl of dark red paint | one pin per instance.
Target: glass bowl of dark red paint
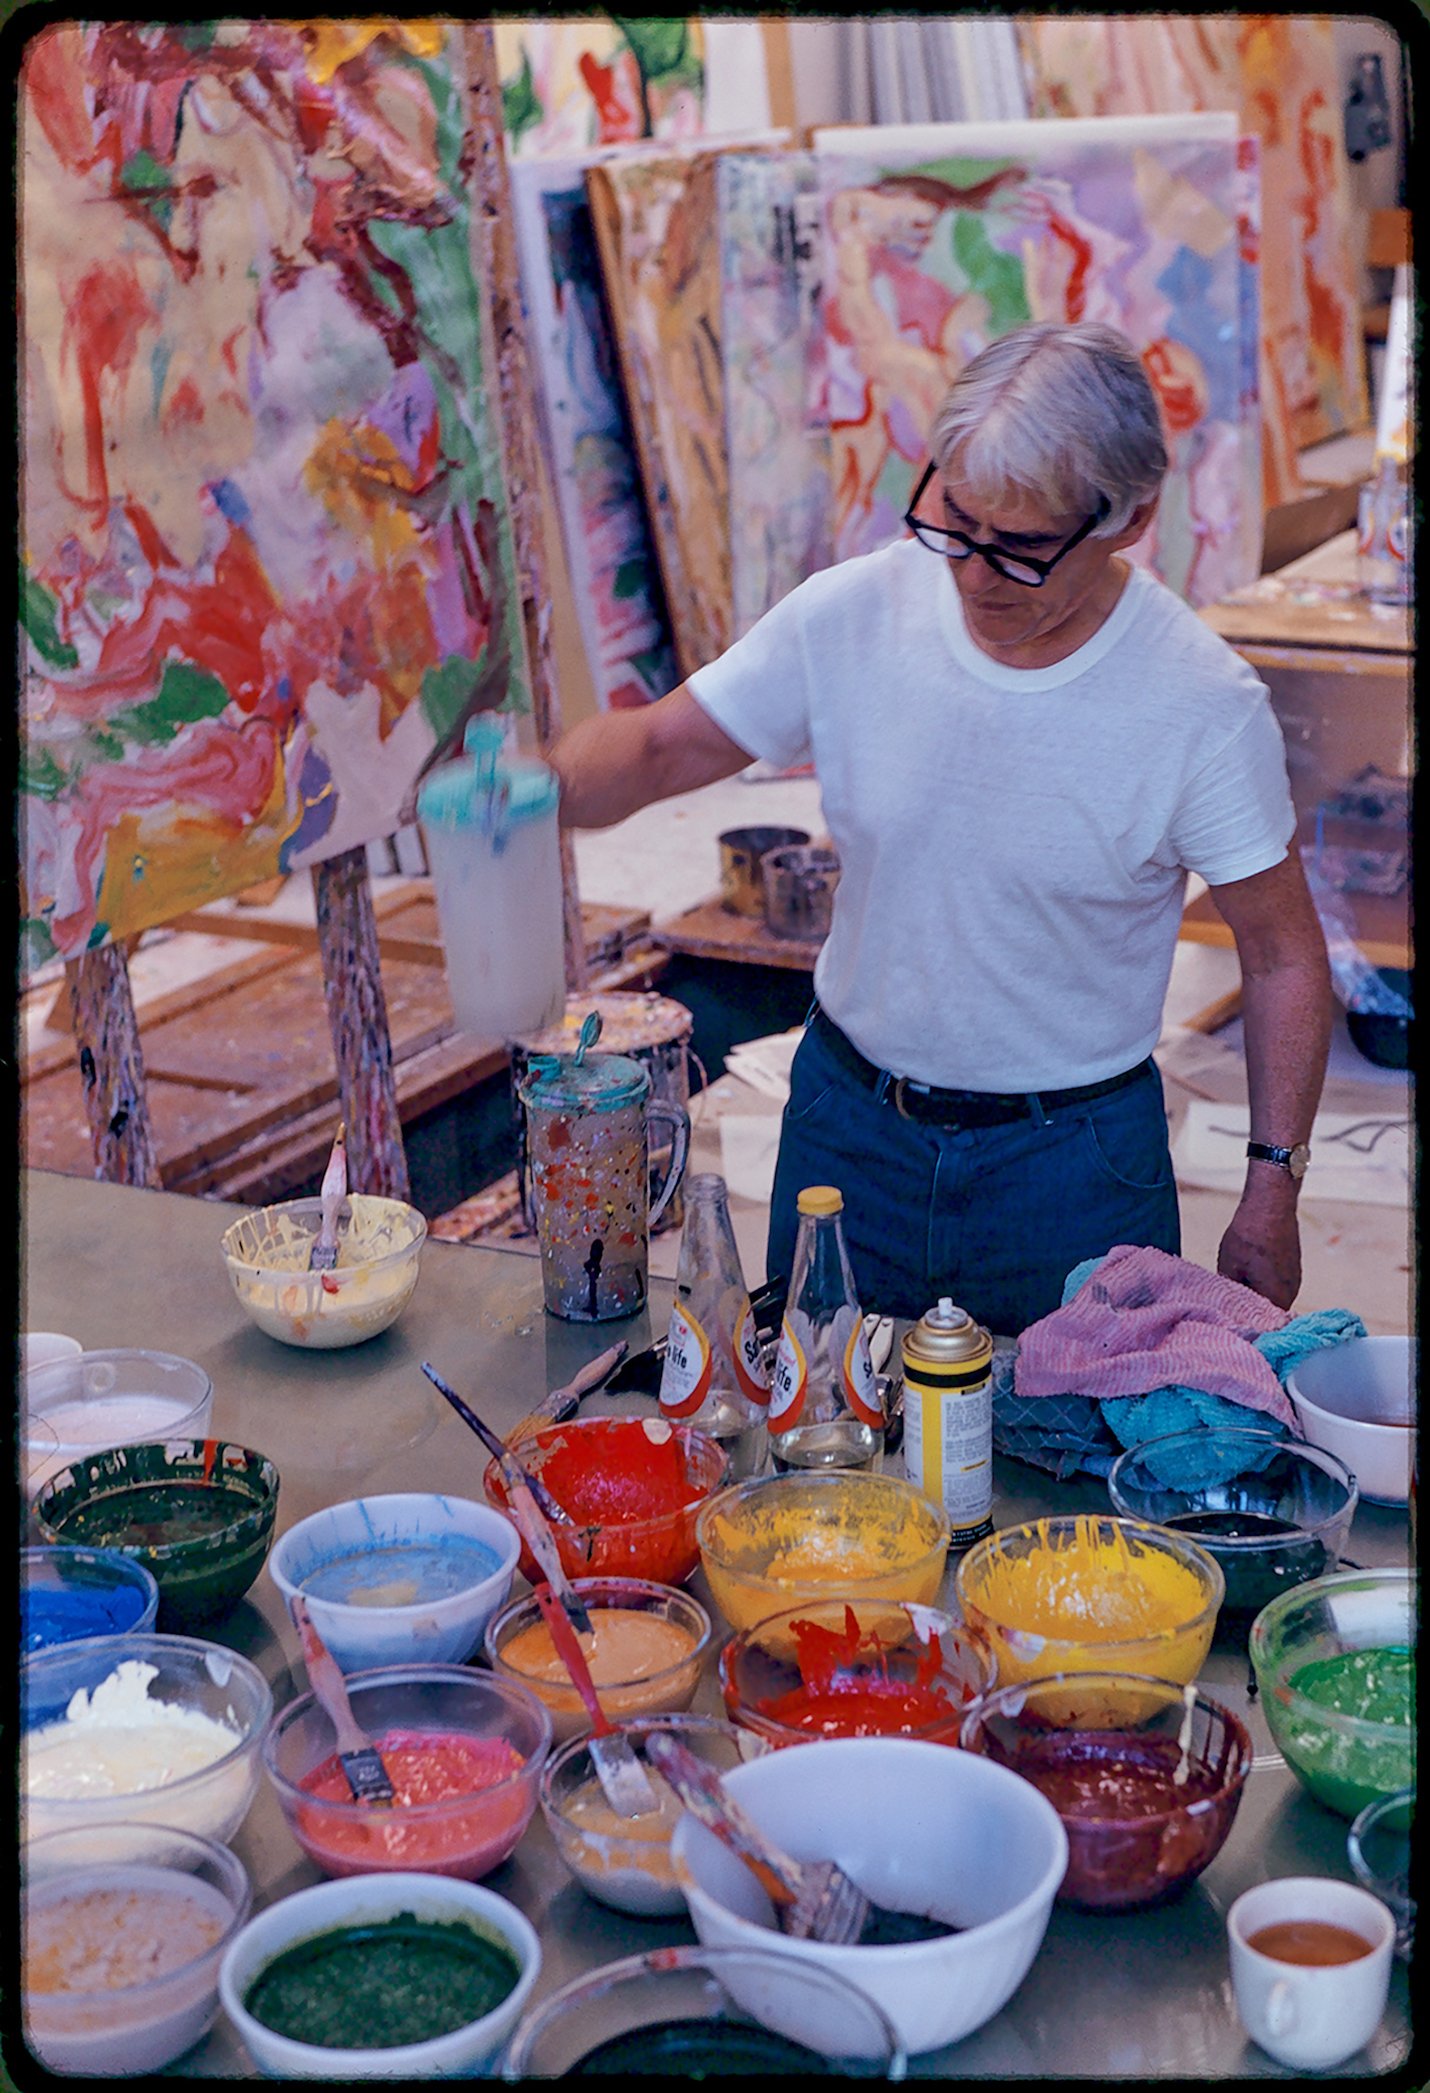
(854, 1668)
(1272, 1512)
(1146, 1776)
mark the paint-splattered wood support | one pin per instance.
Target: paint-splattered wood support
(106, 1034)
(484, 165)
(357, 1020)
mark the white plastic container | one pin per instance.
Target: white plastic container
(490, 825)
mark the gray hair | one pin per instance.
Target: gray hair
(1064, 412)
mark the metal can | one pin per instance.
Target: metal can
(948, 1417)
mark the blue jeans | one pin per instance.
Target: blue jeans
(994, 1217)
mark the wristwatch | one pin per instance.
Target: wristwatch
(1292, 1160)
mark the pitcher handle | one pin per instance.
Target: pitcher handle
(661, 1112)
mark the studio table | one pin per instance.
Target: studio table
(1135, 1996)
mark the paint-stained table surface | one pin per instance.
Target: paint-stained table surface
(1132, 1997)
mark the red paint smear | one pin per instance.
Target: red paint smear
(846, 1689)
(105, 318)
(617, 111)
(53, 85)
(1065, 232)
(600, 1474)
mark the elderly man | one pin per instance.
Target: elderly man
(1024, 744)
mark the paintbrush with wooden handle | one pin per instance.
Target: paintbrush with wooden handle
(324, 1253)
(358, 1756)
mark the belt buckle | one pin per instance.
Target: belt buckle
(898, 1097)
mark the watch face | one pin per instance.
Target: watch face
(1297, 1159)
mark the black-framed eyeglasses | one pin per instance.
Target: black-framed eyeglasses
(1013, 566)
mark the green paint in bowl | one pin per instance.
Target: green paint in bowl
(197, 1513)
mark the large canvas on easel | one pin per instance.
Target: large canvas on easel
(1281, 73)
(656, 222)
(776, 433)
(267, 556)
(596, 479)
(942, 237)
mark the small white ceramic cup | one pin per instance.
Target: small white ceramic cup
(1310, 2016)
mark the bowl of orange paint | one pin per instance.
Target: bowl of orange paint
(644, 1651)
(1147, 1777)
(464, 1753)
(854, 1668)
(1084, 1592)
(632, 1488)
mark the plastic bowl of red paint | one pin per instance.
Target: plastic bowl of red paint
(632, 1487)
(855, 1668)
(463, 1750)
(1146, 1776)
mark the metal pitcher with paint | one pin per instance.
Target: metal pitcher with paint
(588, 1123)
(490, 827)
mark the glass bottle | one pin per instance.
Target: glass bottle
(825, 1408)
(713, 1374)
(1383, 534)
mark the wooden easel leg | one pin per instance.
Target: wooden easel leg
(357, 1019)
(111, 1067)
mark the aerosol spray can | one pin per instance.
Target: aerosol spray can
(948, 1418)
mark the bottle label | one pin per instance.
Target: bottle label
(788, 1381)
(685, 1373)
(749, 1360)
(861, 1385)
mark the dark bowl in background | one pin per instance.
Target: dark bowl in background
(1385, 1040)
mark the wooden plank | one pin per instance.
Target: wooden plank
(111, 1068)
(779, 71)
(357, 1020)
(711, 931)
(484, 161)
(1382, 926)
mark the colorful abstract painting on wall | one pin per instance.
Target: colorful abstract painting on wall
(571, 84)
(771, 331)
(1282, 74)
(943, 236)
(267, 558)
(605, 530)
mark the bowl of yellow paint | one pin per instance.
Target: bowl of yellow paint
(771, 1542)
(1084, 1592)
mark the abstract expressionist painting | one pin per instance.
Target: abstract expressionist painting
(941, 237)
(600, 499)
(1282, 74)
(776, 433)
(267, 561)
(599, 80)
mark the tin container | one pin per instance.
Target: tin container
(742, 852)
(948, 1418)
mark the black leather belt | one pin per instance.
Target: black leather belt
(958, 1108)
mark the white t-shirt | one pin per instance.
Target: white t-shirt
(1013, 843)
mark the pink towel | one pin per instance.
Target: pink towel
(1145, 1320)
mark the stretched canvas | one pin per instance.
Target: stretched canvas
(1281, 73)
(267, 565)
(656, 221)
(776, 432)
(600, 501)
(942, 237)
(600, 80)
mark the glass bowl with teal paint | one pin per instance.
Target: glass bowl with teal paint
(1335, 1672)
(196, 1513)
(68, 1593)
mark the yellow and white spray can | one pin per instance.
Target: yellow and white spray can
(948, 1418)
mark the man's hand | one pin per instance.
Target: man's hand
(1262, 1245)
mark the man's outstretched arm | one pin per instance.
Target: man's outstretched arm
(611, 765)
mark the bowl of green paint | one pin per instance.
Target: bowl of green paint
(197, 1513)
(1335, 1670)
(404, 1976)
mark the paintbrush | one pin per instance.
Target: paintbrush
(358, 1756)
(565, 1401)
(531, 1484)
(813, 1899)
(524, 1508)
(626, 1783)
(324, 1253)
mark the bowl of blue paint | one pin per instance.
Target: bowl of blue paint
(69, 1593)
(411, 1578)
